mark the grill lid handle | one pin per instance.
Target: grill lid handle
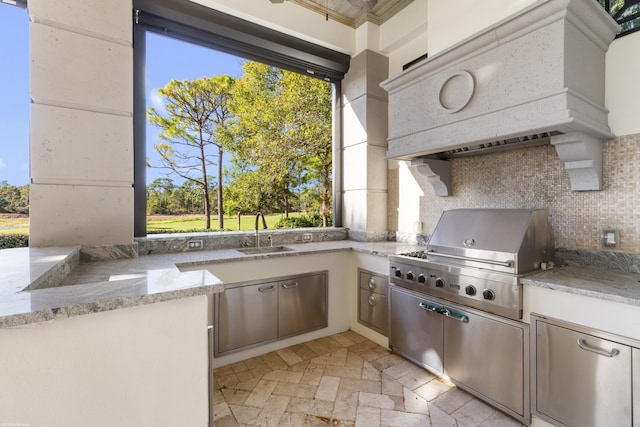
(508, 263)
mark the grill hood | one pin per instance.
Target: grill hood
(535, 77)
(512, 241)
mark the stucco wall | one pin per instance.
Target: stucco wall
(81, 136)
(142, 366)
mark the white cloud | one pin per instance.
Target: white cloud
(2, 163)
(156, 101)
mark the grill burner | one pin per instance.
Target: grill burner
(476, 257)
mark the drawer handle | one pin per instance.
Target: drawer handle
(267, 288)
(372, 283)
(428, 307)
(372, 300)
(290, 285)
(455, 316)
(582, 343)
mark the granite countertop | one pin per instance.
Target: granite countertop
(44, 284)
(33, 286)
(611, 285)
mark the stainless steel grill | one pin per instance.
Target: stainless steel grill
(476, 257)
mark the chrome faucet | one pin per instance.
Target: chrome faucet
(264, 226)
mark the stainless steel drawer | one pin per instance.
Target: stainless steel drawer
(373, 310)
(581, 379)
(372, 281)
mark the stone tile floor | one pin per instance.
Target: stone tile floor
(342, 380)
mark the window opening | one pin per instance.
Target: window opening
(625, 12)
(207, 27)
(264, 131)
(14, 122)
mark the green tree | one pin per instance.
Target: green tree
(159, 196)
(195, 121)
(14, 199)
(190, 198)
(282, 129)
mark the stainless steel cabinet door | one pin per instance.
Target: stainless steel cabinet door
(582, 380)
(414, 329)
(488, 356)
(303, 304)
(247, 315)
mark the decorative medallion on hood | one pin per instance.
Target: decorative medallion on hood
(456, 91)
(536, 77)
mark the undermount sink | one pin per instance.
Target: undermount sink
(264, 250)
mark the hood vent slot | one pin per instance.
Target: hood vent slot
(499, 145)
(485, 93)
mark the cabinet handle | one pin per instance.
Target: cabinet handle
(372, 283)
(455, 316)
(372, 300)
(582, 343)
(428, 307)
(290, 285)
(267, 288)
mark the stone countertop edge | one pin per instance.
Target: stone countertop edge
(51, 309)
(31, 291)
(610, 285)
(112, 285)
(219, 256)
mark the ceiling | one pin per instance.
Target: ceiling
(342, 11)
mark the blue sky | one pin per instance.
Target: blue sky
(14, 95)
(166, 59)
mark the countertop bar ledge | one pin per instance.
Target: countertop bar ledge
(34, 286)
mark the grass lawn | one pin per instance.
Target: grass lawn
(14, 224)
(172, 224)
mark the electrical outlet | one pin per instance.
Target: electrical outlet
(307, 237)
(610, 238)
(194, 245)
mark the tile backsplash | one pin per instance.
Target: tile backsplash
(529, 178)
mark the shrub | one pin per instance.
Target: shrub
(295, 222)
(316, 219)
(8, 241)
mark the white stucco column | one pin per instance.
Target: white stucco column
(81, 127)
(365, 147)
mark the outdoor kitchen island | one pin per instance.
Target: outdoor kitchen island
(132, 350)
(121, 342)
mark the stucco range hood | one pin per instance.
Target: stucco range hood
(535, 77)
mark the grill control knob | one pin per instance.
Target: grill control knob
(398, 273)
(470, 290)
(422, 279)
(409, 275)
(488, 294)
(439, 283)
